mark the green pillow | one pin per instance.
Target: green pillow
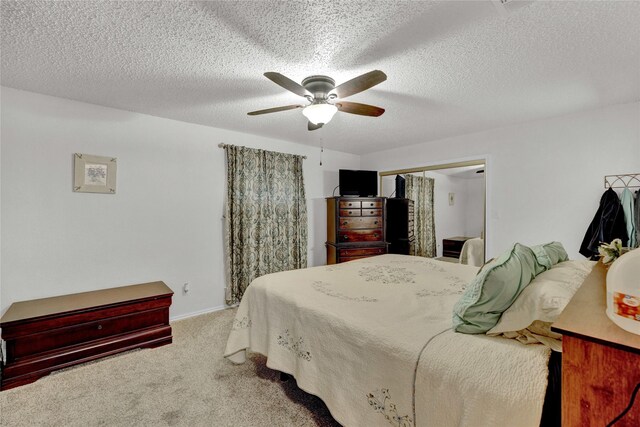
(550, 254)
(494, 289)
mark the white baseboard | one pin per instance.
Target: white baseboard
(197, 313)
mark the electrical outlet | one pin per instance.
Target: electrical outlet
(185, 288)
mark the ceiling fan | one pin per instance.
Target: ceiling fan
(326, 97)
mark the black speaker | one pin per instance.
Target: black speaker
(400, 187)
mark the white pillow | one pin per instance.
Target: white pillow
(541, 302)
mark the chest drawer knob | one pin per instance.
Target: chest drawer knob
(375, 235)
(350, 204)
(345, 223)
(99, 327)
(375, 222)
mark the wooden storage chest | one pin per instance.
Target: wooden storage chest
(47, 334)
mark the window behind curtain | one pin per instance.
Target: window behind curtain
(266, 216)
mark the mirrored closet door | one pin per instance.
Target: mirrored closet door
(444, 213)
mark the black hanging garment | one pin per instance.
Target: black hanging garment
(608, 224)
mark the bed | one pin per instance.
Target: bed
(372, 338)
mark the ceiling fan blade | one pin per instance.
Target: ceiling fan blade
(275, 110)
(361, 109)
(314, 127)
(287, 83)
(360, 83)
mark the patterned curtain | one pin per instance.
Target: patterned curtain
(420, 190)
(266, 216)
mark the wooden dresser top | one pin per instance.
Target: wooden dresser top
(66, 303)
(585, 316)
(458, 238)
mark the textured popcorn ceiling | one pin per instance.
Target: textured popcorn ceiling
(454, 67)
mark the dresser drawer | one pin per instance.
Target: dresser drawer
(85, 332)
(36, 326)
(351, 258)
(360, 236)
(360, 222)
(360, 252)
(451, 245)
(346, 204)
(372, 212)
(350, 212)
(375, 204)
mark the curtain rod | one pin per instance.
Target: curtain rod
(222, 145)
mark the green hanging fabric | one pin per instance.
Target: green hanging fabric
(266, 216)
(420, 190)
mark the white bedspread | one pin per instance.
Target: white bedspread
(354, 334)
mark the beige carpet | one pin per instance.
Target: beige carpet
(185, 383)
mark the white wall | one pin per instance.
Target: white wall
(544, 181)
(474, 221)
(544, 178)
(164, 222)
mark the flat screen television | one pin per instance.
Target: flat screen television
(358, 183)
(400, 187)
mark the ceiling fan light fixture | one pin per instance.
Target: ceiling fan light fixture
(319, 113)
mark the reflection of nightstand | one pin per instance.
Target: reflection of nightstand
(452, 246)
(599, 360)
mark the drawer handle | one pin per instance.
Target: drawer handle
(99, 326)
(349, 212)
(375, 222)
(350, 204)
(375, 235)
(372, 212)
(346, 237)
(345, 223)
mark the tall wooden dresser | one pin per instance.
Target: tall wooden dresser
(399, 226)
(355, 228)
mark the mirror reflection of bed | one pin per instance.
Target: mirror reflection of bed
(449, 218)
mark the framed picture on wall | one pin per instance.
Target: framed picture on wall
(94, 174)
